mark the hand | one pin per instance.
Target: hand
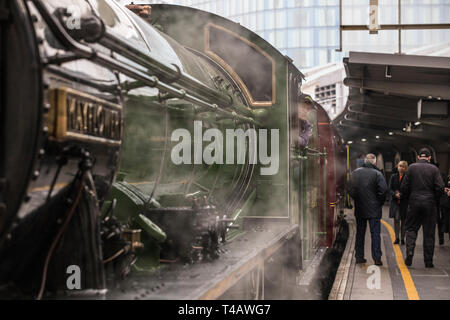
(447, 191)
(397, 195)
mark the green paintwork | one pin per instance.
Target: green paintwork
(130, 203)
(145, 156)
(150, 228)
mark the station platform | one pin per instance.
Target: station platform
(393, 280)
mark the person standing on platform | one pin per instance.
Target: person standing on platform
(423, 186)
(399, 204)
(368, 188)
(444, 212)
(442, 205)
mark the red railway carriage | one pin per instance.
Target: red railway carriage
(322, 175)
(335, 174)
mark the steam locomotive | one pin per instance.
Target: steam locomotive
(111, 113)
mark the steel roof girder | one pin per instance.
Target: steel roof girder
(412, 89)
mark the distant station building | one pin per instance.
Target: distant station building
(308, 30)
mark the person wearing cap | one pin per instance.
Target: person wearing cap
(368, 188)
(423, 186)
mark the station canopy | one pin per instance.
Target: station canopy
(394, 100)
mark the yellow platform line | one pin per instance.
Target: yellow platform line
(406, 275)
(47, 187)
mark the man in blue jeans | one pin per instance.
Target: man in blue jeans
(368, 188)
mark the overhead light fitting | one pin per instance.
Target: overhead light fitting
(391, 133)
(377, 137)
(417, 123)
(388, 72)
(363, 139)
(349, 142)
(408, 127)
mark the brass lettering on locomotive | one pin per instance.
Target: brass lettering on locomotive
(79, 116)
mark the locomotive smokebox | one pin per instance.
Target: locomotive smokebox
(22, 108)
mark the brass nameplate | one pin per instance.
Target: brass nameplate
(76, 115)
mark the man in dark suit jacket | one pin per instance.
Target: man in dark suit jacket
(423, 186)
(368, 188)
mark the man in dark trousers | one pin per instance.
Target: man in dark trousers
(368, 188)
(444, 215)
(423, 186)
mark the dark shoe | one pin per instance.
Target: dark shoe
(429, 265)
(408, 261)
(378, 263)
(441, 241)
(396, 241)
(361, 260)
(403, 242)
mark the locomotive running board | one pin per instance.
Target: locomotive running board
(208, 280)
(255, 260)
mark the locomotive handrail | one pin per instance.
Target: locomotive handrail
(87, 52)
(316, 152)
(163, 70)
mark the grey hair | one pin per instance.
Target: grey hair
(370, 158)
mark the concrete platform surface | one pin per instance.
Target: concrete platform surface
(393, 280)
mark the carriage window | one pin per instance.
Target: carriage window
(251, 66)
